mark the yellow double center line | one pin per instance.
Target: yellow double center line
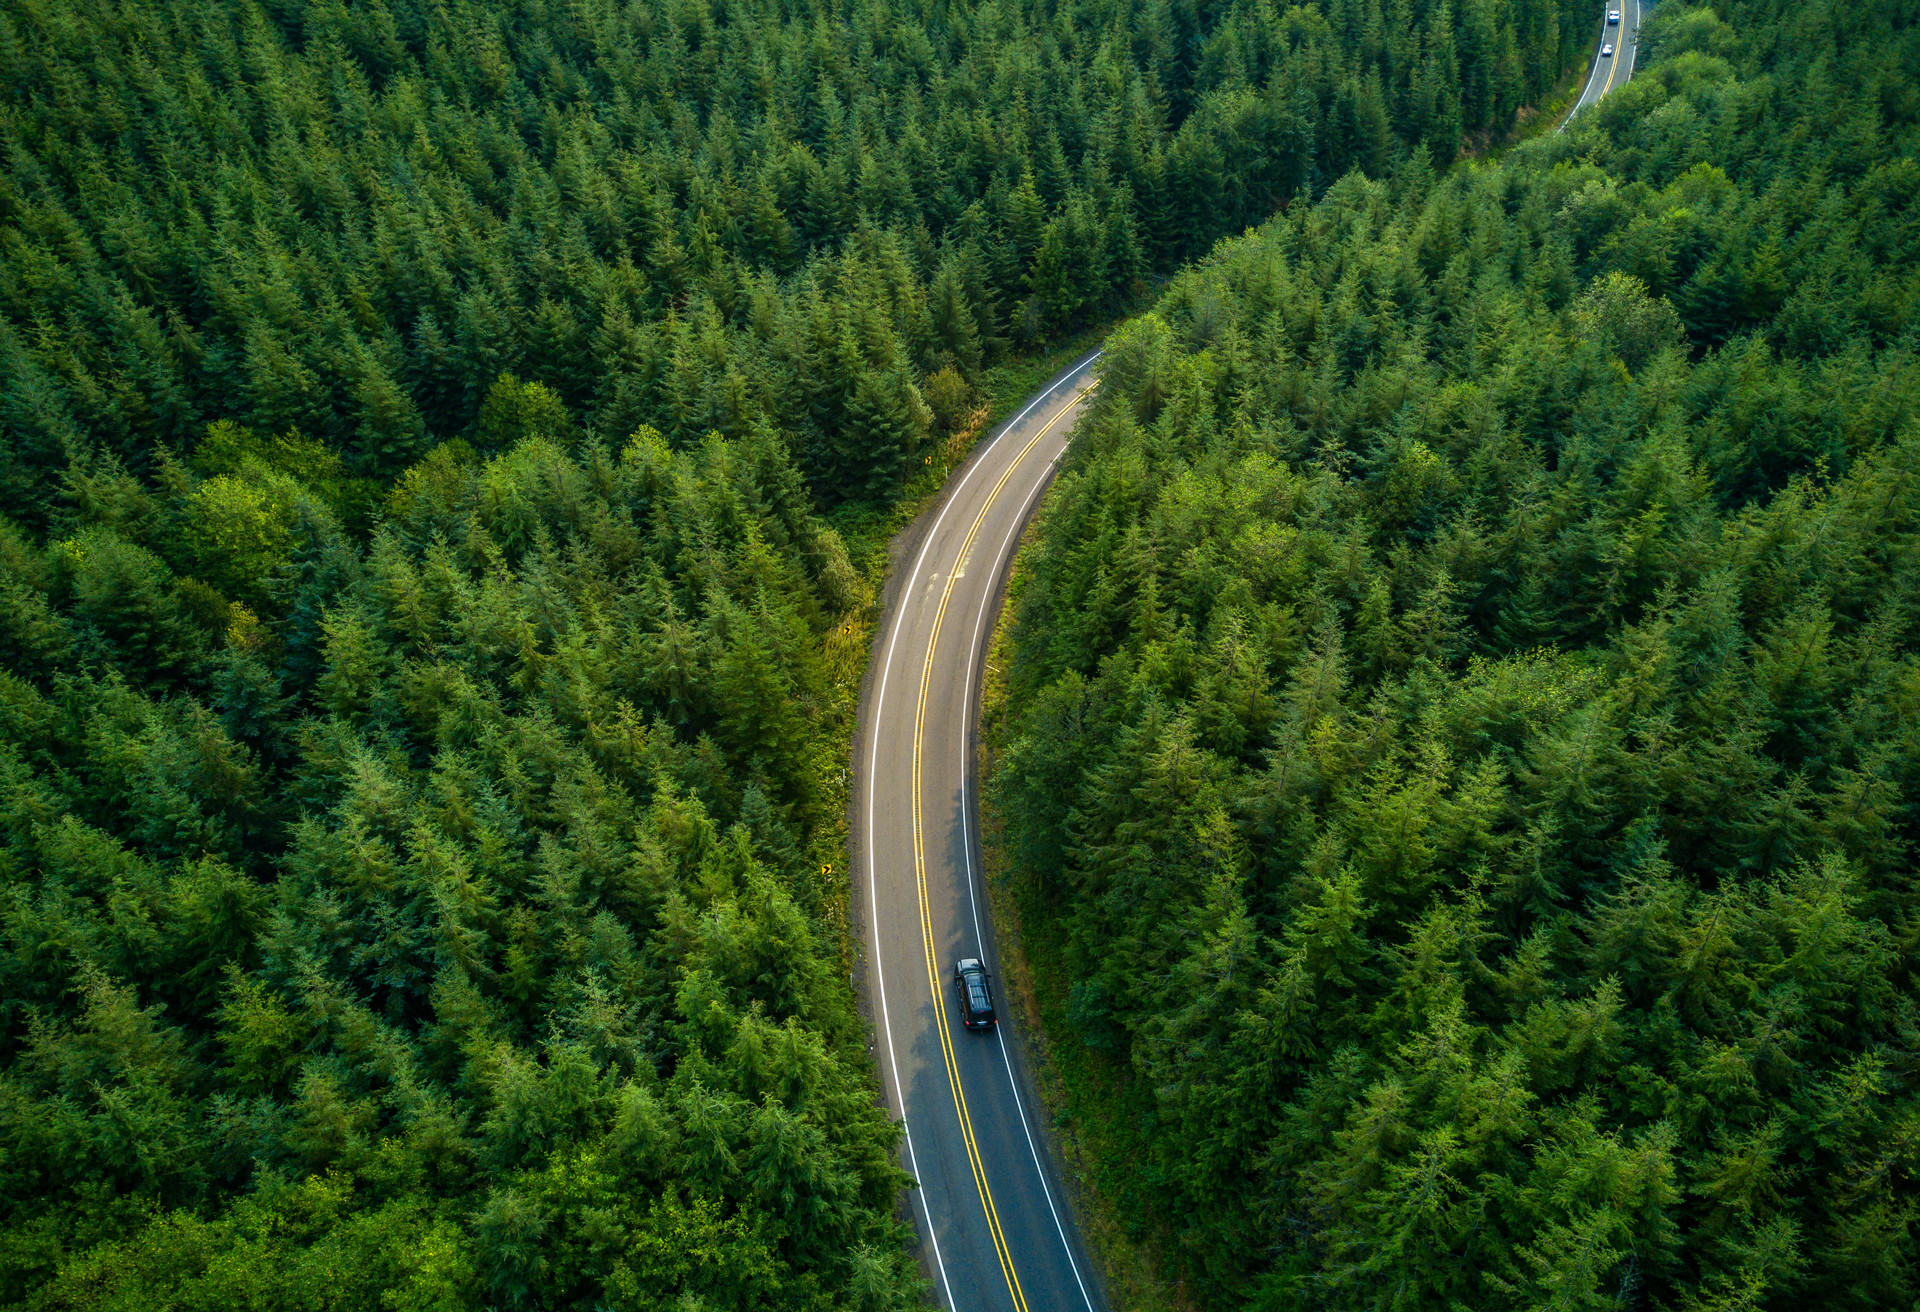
(1615, 56)
(920, 876)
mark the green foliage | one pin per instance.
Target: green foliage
(445, 933)
(344, 224)
(419, 742)
(1617, 313)
(1465, 732)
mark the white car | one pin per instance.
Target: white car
(1606, 50)
(1613, 16)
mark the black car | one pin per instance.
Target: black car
(976, 994)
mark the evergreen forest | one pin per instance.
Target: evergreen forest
(1466, 730)
(426, 660)
(440, 445)
(349, 220)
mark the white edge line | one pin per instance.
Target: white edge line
(966, 830)
(873, 767)
(1639, 7)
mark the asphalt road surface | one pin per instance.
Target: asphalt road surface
(994, 1226)
(994, 1223)
(1610, 71)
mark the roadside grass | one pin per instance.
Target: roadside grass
(867, 529)
(1004, 387)
(1009, 384)
(1531, 121)
(1092, 1110)
(1095, 1105)
(1096, 1108)
(1549, 116)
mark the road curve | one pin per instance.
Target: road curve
(1615, 70)
(994, 1224)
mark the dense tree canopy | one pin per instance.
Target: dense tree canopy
(349, 220)
(425, 675)
(450, 901)
(1468, 711)
(424, 672)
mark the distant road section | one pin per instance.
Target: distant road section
(1610, 71)
(996, 1231)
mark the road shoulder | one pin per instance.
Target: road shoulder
(1126, 1258)
(884, 547)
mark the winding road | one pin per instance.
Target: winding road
(1613, 70)
(994, 1224)
(995, 1228)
